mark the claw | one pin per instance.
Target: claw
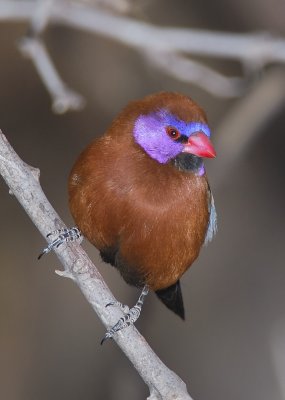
(107, 336)
(123, 322)
(129, 319)
(123, 307)
(64, 235)
(45, 251)
(113, 303)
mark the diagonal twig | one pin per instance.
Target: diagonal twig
(63, 98)
(24, 184)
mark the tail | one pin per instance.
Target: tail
(172, 298)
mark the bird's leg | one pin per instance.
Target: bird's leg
(130, 318)
(63, 235)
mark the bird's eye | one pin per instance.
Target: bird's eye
(173, 133)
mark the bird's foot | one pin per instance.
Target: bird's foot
(62, 236)
(130, 318)
(123, 307)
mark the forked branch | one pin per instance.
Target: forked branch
(166, 48)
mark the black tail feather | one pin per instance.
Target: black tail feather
(172, 298)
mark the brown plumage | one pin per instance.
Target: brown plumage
(147, 218)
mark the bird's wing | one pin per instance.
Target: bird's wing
(212, 226)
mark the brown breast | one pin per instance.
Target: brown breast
(154, 214)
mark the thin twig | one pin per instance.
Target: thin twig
(192, 71)
(169, 46)
(257, 47)
(23, 182)
(63, 98)
(41, 15)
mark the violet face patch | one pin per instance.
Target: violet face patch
(150, 134)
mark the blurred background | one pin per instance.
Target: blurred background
(232, 344)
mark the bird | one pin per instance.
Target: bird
(140, 195)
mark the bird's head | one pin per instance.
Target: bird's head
(174, 127)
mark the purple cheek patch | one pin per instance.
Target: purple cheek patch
(149, 133)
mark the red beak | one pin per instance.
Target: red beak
(200, 145)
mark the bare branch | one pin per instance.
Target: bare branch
(167, 46)
(114, 6)
(16, 10)
(63, 98)
(22, 181)
(257, 47)
(191, 71)
(41, 15)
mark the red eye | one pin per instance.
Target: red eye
(173, 133)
